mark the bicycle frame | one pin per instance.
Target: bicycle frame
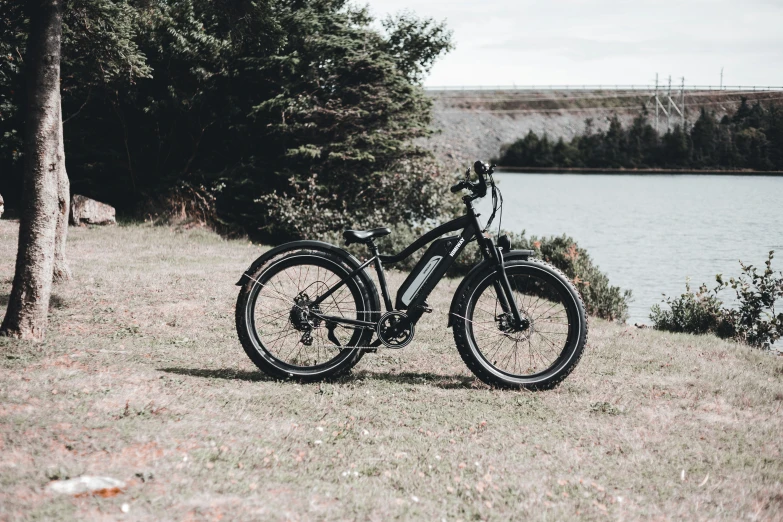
(471, 229)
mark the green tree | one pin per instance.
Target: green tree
(774, 132)
(752, 138)
(705, 140)
(676, 148)
(226, 102)
(521, 153)
(565, 154)
(752, 145)
(615, 144)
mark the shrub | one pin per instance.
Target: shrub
(601, 298)
(697, 312)
(753, 321)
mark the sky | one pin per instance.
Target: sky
(605, 42)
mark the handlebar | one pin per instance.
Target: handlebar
(479, 190)
(459, 186)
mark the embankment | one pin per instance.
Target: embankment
(473, 124)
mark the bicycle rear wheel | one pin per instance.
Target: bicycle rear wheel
(538, 357)
(278, 329)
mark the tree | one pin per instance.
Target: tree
(642, 142)
(676, 147)
(231, 99)
(615, 144)
(704, 135)
(44, 165)
(61, 271)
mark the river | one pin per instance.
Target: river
(649, 233)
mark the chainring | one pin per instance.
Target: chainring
(395, 329)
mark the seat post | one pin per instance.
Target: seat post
(381, 276)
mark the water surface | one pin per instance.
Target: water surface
(650, 232)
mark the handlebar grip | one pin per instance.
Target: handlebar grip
(457, 187)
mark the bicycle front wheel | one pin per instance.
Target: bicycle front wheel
(537, 357)
(279, 326)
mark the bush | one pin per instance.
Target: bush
(753, 321)
(698, 313)
(416, 191)
(601, 299)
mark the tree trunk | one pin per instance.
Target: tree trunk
(62, 271)
(44, 166)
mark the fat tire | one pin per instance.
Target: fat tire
(475, 363)
(268, 366)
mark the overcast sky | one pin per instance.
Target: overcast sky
(523, 42)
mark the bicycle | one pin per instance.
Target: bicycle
(308, 310)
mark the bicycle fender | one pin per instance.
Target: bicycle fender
(297, 245)
(513, 255)
(293, 246)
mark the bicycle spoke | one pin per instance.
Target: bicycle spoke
(537, 301)
(276, 323)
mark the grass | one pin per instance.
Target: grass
(141, 378)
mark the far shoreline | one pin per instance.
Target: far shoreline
(675, 172)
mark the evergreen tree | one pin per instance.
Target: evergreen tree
(615, 145)
(229, 102)
(751, 138)
(704, 136)
(774, 131)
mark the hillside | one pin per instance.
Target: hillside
(142, 379)
(472, 124)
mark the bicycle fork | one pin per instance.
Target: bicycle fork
(505, 295)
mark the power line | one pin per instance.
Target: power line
(490, 98)
(583, 109)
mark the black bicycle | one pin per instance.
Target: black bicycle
(308, 310)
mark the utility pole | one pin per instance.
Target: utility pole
(682, 103)
(669, 110)
(656, 103)
(721, 78)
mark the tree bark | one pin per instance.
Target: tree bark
(62, 271)
(44, 166)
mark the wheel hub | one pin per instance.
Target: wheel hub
(517, 332)
(302, 315)
(507, 324)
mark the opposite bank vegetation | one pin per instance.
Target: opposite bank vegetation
(750, 139)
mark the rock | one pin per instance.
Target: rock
(105, 486)
(88, 211)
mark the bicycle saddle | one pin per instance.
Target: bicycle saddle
(364, 236)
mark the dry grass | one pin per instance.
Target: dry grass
(142, 379)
